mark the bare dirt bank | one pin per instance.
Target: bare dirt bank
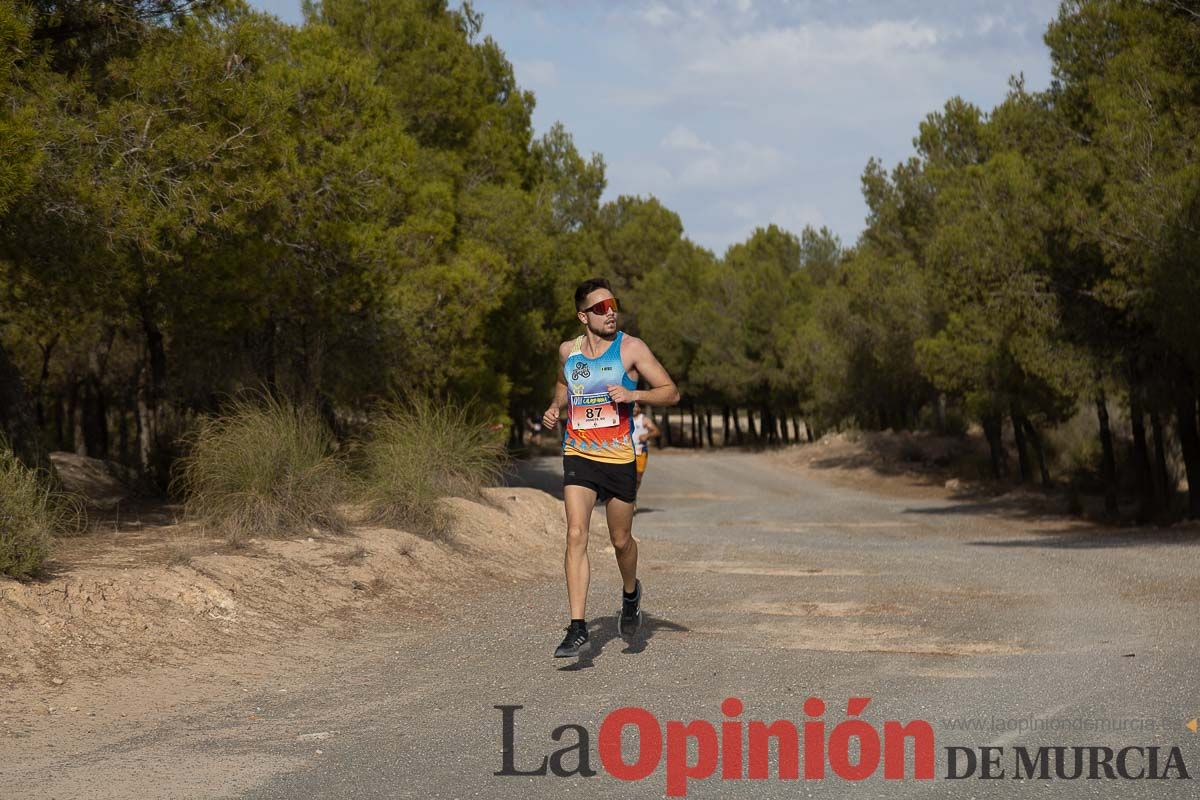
(161, 594)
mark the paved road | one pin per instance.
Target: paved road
(771, 588)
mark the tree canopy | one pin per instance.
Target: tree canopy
(197, 198)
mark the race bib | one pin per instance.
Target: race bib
(594, 411)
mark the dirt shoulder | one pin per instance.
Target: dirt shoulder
(151, 592)
(927, 466)
(931, 467)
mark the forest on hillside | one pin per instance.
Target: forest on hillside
(196, 199)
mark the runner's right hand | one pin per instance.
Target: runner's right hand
(550, 418)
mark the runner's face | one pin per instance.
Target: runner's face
(601, 324)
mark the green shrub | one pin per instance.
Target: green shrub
(31, 513)
(421, 451)
(263, 467)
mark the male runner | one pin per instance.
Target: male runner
(597, 386)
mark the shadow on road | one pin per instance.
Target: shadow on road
(1097, 537)
(1025, 505)
(604, 630)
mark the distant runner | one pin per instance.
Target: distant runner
(643, 429)
(597, 384)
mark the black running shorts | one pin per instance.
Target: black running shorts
(605, 479)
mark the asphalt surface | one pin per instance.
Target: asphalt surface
(772, 588)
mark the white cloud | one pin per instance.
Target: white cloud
(657, 14)
(743, 164)
(808, 49)
(683, 139)
(985, 24)
(999, 25)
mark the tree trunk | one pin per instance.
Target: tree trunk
(666, 425)
(1141, 455)
(1019, 437)
(1035, 439)
(725, 426)
(60, 416)
(783, 428)
(151, 391)
(75, 407)
(1189, 439)
(145, 426)
(1109, 463)
(514, 428)
(123, 434)
(17, 423)
(43, 378)
(808, 430)
(695, 427)
(270, 334)
(1162, 487)
(95, 403)
(94, 418)
(750, 429)
(708, 425)
(737, 426)
(796, 429)
(940, 411)
(992, 430)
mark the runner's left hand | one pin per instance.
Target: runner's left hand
(621, 394)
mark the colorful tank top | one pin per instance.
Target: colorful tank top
(598, 427)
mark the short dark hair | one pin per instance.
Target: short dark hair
(586, 288)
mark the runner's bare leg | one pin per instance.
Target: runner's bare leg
(620, 530)
(580, 501)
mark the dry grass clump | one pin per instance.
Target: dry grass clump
(263, 467)
(31, 515)
(417, 453)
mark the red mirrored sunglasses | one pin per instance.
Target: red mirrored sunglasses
(603, 307)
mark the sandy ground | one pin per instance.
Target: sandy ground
(928, 466)
(154, 597)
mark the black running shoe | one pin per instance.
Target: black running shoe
(574, 643)
(631, 611)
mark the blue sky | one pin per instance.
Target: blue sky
(739, 113)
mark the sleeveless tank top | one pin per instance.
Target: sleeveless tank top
(598, 427)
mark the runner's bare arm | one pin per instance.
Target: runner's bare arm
(550, 418)
(662, 391)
